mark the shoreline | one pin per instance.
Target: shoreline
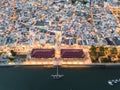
(94, 65)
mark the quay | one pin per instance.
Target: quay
(44, 64)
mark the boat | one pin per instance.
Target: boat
(116, 81)
(110, 83)
(57, 75)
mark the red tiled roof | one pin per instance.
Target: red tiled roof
(72, 53)
(43, 53)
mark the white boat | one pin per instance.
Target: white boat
(116, 81)
(57, 76)
(110, 83)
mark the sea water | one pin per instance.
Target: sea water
(37, 78)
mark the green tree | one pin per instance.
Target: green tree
(1, 53)
(13, 53)
(106, 60)
(93, 54)
(106, 51)
(114, 50)
(94, 59)
(93, 48)
(118, 55)
(11, 59)
(93, 51)
(102, 51)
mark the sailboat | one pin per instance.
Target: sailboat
(57, 76)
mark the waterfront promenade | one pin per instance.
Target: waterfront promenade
(63, 64)
(86, 61)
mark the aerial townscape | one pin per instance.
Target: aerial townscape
(59, 32)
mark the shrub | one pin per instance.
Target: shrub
(1, 53)
(105, 60)
(11, 59)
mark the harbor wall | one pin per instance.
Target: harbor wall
(27, 65)
(94, 65)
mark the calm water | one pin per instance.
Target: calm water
(34, 78)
